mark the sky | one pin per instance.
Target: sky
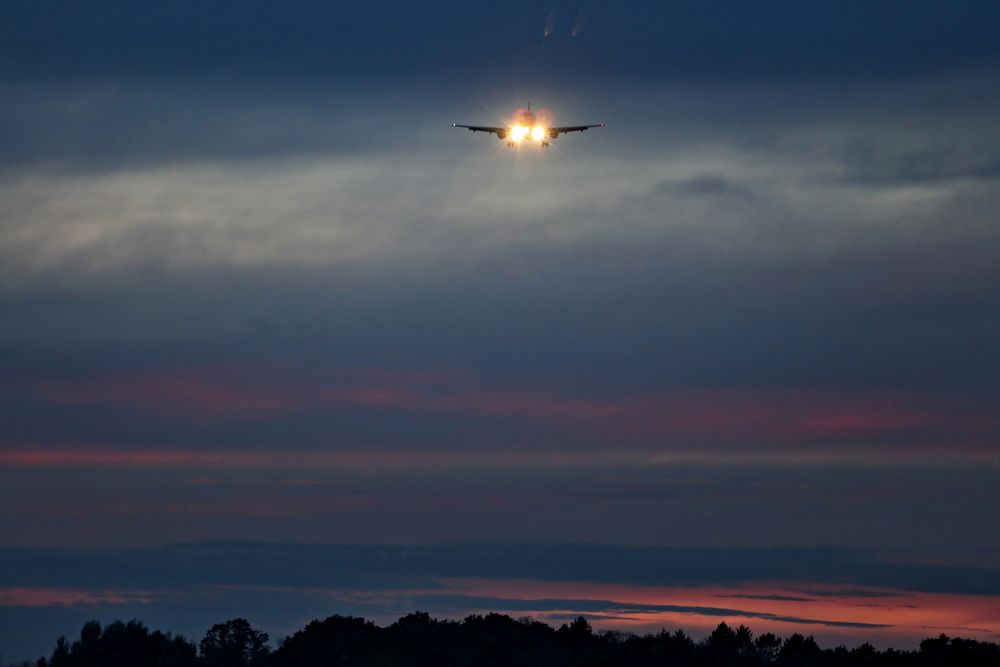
(277, 341)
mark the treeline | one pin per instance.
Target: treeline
(494, 640)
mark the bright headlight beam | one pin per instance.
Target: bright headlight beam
(538, 133)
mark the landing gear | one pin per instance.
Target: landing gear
(510, 144)
(545, 144)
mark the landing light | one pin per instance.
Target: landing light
(519, 132)
(538, 133)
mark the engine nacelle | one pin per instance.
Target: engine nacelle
(553, 134)
(502, 134)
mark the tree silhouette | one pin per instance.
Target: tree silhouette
(123, 645)
(745, 648)
(338, 639)
(768, 645)
(234, 643)
(800, 651)
(491, 640)
(579, 629)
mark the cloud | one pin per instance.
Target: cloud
(309, 42)
(783, 598)
(825, 280)
(616, 610)
(705, 185)
(236, 398)
(366, 566)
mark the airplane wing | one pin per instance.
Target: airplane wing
(480, 128)
(574, 128)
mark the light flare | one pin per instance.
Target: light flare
(519, 132)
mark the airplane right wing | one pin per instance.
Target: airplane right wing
(574, 128)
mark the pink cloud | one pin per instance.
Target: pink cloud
(906, 616)
(51, 597)
(173, 394)
(725, 417)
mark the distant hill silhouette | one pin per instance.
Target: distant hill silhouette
(493, 640)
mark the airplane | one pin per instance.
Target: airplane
(526, 127)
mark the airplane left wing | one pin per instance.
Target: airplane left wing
(480, 128)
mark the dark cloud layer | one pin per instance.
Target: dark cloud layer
(456, 40)
(394, 566)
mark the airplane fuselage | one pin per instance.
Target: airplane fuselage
(527, 128)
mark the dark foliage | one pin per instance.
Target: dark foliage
(123, 645)
(234, 644)
(493, 640)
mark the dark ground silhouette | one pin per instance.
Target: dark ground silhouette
(494, 640)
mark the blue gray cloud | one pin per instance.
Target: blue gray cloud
(454, 40)
(390, 566)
